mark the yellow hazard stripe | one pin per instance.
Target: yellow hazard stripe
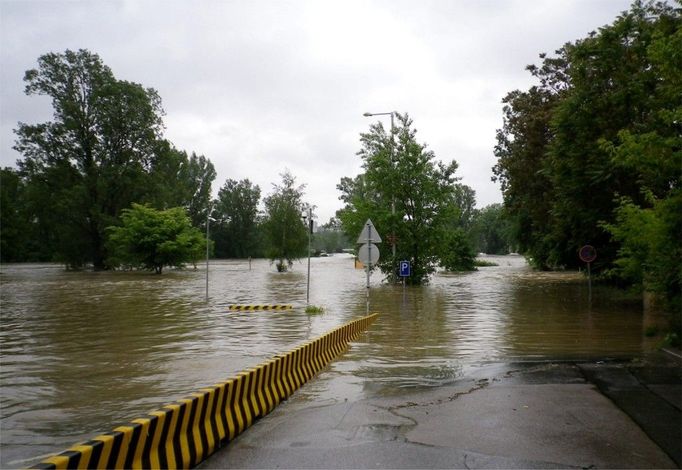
(260, 307)
(184, 433)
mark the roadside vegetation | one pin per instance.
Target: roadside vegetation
(481, 263)
(409, 195)
(151, 239)
(314, 310)
(99, 186)
(284, 231)
(592, 154)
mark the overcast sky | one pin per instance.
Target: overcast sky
(262, 86)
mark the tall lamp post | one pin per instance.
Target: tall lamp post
(309, 227)
(391, 113)
(208, 219)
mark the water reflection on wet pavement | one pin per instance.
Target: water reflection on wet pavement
(84, 352)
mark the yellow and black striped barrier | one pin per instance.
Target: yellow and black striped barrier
(261, 307)
(183, 434)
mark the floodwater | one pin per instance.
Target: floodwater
(81, 353)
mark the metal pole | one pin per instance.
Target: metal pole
(589, 283)
(369, 261)
(392, 195)
(367, 298)
(208, 218)
(310, 231)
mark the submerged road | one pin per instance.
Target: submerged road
(450, 350)
(504, 415)
(145, 341)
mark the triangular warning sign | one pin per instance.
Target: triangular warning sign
(369, 234)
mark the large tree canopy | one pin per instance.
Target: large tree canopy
(91, 161)
(593, 153)
(408, 195)
(236, 209)
(101, 152)
(526, 186)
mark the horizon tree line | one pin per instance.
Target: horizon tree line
(103, 152)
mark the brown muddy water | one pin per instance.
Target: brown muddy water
(81, 353)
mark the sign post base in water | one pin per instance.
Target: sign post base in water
(368, 253)
(588, 253)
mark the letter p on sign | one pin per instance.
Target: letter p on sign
(404, 269)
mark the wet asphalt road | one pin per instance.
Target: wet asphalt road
(511, 415)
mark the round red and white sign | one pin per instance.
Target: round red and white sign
(588, 253)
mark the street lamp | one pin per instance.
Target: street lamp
(382, 114)
(392, 163)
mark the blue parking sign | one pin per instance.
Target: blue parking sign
(404, 269)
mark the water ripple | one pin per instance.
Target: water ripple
(81, 353)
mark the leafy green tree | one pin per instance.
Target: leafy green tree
(93, 159)
(560, 152)
(465, 200)
(285, 234)
(649, 228)
(521, 152)
(399, 172)
(152, 239)
(593, 153)
(650, 253)
(457, 254)
(179, 180)
(612, 89)
(101, 152)
(29, 220)
(491, 230)
(196, 178)
(15, 228)
(168, 186)
(236, 210)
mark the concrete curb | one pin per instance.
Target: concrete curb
(184, 433)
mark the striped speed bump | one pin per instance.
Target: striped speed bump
(184, 433)
(261, 307)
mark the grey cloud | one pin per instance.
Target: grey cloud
(261, 85)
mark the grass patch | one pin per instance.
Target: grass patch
(314, 309)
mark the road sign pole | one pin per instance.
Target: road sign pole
(310, 234)
(588, 254)
(589, 283)
(367, 295)
(369, 264)
(368, 253)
